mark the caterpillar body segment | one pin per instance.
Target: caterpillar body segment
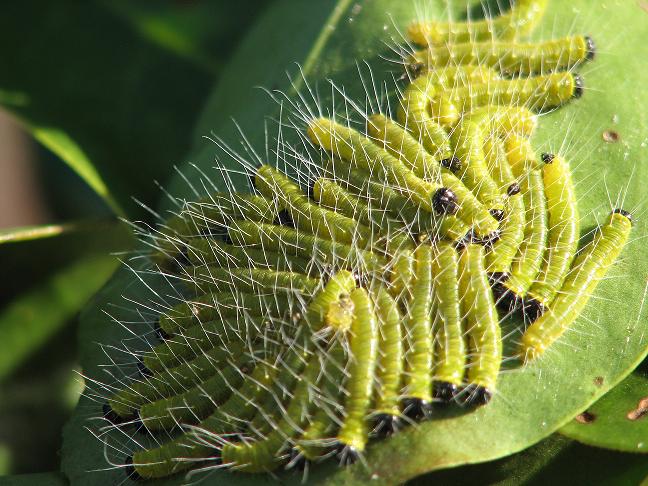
(450, 347)
(360, 152)
(310, 217)
(411, 217)
(292, 242)
(519, 21)
(175, 456)
(390, 364)
(418, 338)
(482, 325)
(528, 261)
(388, 233)
(538, 93)
(588, 269)
(468, 143)
(210, 307)
(519, 58)
(171, 381)
(405, 147)
(414, 110)
(363, 345)
(504, 121)
(210, 214)
(564, 229)
(501, 254)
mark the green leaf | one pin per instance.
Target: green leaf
(532, 401)
(115, 107)
(617, 421)
(39, 311)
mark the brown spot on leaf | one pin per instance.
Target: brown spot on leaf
(643, 5)
(585, 418)
(598, 381)
(611, 136)
(639, 412)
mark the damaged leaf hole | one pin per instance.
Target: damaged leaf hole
(611, 136)
(639, 412)
(585, 418)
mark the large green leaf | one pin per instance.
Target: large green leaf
(40, 479)
(617, 421)
(533, 401)
(115, 107)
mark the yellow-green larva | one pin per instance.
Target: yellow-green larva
(505, 121)
(564, 229)
(482, 325)
(450, 347)
(390, 365)
(519, 21)
(468, 143)
(511, 58)
(418, 338)
(363, 347)
(588, 269)
(414, 109)
(401, 144)
(359, 151)
(539, 93)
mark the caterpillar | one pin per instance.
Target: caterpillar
(562, 239)
(450, 348)
(482, 326)
(511, 58)
(588, 269)
(519, 21)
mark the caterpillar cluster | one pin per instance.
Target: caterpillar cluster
(318, 318)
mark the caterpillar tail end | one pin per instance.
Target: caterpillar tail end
(445, 391)
(386, 424)
(579, 86)
(417, 409)
(110, 415)
(131, 472)
(477, 395)
(591, 48)
(347, 454)
(532, 309)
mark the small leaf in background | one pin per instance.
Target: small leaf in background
(79, 255)
(617, 421)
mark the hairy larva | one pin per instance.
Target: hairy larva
(309, 217)
(222, 305)
(168, 382)
(468, 143)
(211, 213)
(564, 229)
(389, 367)
(482, 325)
(391, 232)
(363, 347)
(505, 121)
(529, 258)
(511, 58)
(164, 460)
(358, 150)
(519, 21)
(450, 348)
(406, 148)
(418, 338)
(414, 108)
(385, 199)
(538, 93)
(588, 269)
(292, 242)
